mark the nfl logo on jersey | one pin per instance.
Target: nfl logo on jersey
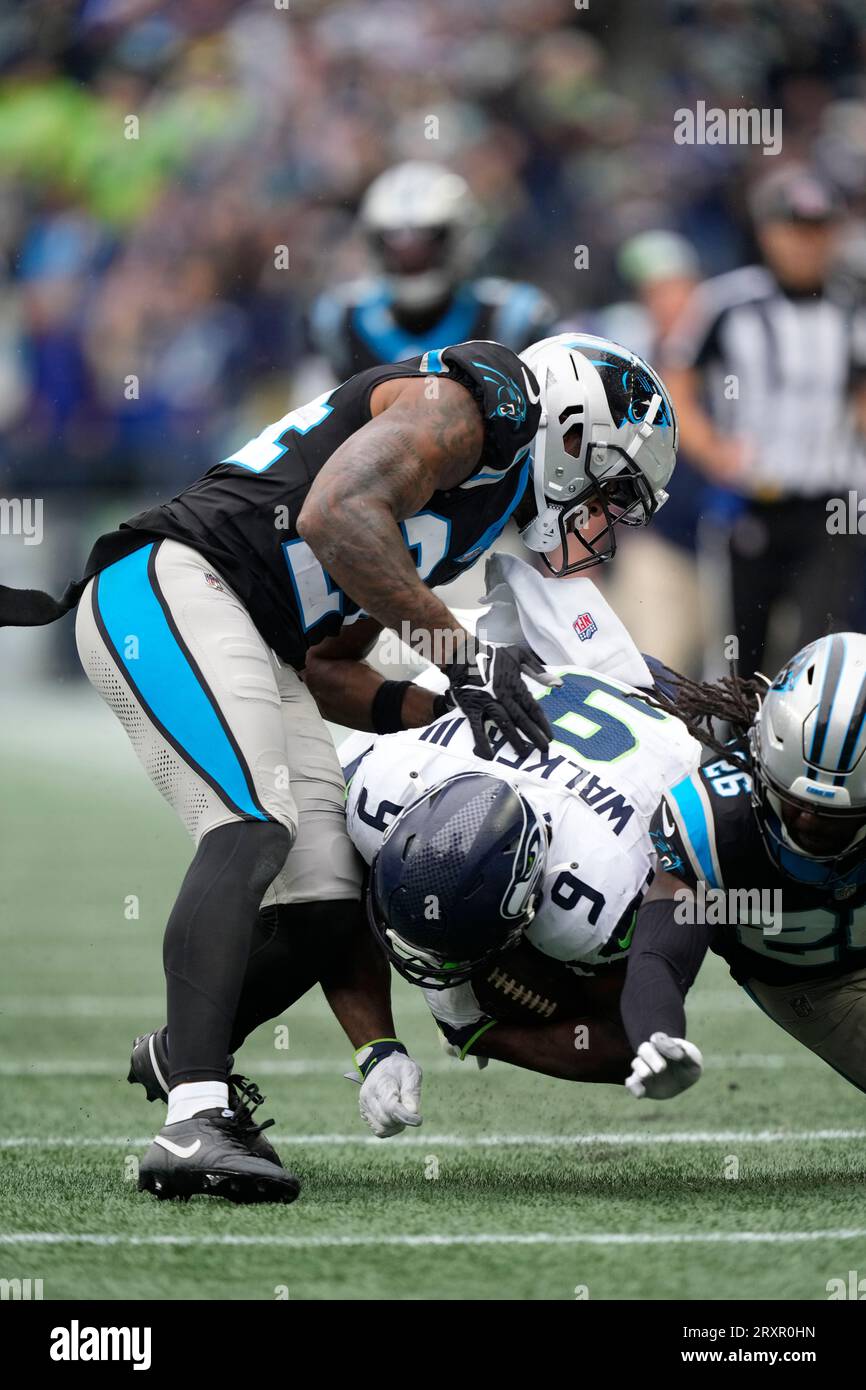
(585, 626)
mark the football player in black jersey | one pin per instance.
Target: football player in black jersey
(197, 616)
(764, 852)
(422, 228)
(595, 392)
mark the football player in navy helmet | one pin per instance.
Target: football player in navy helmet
(457, 879)
(196, 617)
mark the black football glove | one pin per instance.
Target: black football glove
(490, 690)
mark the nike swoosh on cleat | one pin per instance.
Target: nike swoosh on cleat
(178, 1149)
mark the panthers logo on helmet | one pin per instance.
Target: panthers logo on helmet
(787, 677)
(630, 387)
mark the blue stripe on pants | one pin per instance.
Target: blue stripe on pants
(161, 673)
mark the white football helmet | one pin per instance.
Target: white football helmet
(808, 752)
(608, 435)
(423, 227)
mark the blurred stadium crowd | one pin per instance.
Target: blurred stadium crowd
(149, 249)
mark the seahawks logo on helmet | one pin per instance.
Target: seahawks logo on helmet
(475, 848)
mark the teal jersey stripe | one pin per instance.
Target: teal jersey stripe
(162, 675)
(694, 818)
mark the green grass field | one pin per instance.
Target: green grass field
(516, 1187)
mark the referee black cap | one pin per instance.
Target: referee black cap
(795, 193)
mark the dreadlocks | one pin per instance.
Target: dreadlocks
(731, 700)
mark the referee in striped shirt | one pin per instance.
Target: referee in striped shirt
(771, 396)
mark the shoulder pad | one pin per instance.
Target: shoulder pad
(703, 820)
(506, 392)
(327, 326)
(683, 833)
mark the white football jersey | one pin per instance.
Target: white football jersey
(597, 786)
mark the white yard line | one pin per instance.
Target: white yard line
(619, 1139)
(433, 1239)
(82, 1006)
(335, 1066)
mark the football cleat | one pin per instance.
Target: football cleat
(148, 1064)
(148, 1067)
(213, 1154)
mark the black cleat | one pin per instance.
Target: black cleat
(148, 1067)
(213, 1154)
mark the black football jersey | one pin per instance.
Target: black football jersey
(355, 326)
(778, 925)
(241, 515)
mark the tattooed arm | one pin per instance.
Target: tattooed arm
(344, 685)
(414, 445)
(382, 474)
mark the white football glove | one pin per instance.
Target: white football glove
(390, 1096)
(663, 1067)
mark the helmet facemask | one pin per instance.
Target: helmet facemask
(603, 451)
(771, 800)
(417, 263)
(622, 500)
(426, 968)
(423, 229)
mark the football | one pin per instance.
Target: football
(526, 986)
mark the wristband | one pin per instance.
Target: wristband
(461, 1040)
(387, 709)
(367, 1057)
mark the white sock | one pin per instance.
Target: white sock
(191, 1097)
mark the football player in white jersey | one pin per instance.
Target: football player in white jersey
(508, 889)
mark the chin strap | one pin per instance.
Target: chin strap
(645, 428)
(542, 532)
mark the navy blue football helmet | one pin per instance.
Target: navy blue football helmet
(457, 879)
